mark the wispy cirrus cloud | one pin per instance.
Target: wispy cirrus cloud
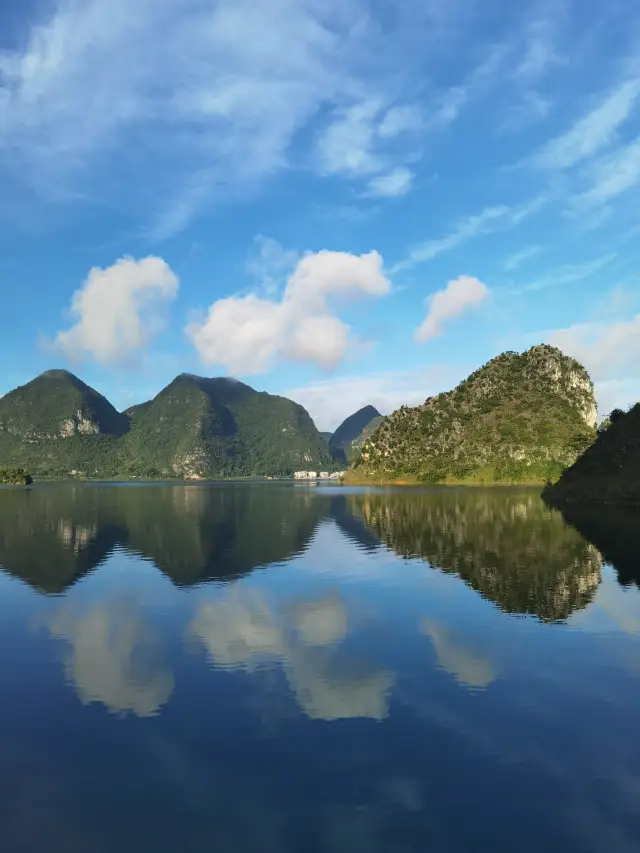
(611, 176)
(518, 258)
(570, 273)
(396, 183)
(593, 131)
(490, 219)
(204, 100)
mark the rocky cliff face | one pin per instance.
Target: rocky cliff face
(519, 418)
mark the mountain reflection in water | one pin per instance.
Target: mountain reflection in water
(278, 667)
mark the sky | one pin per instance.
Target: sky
(346, 202)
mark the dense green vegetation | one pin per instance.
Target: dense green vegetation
(521, 418)
(506, 544)
(195, 428)
(347, 441)
(608, 470)
(15, 477)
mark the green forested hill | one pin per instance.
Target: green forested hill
(347, 440)
(609, 470)
(195, 427)
(58, 405)
(221, 427)
(519, 418)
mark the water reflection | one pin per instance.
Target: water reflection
(336, 698)
(507, 545)
(51, 537)
(615, 531)
(464, 664)
(246, 632)
(114, 657)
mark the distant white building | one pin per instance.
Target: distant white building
(323, 475)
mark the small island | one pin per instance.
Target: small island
(15, 477)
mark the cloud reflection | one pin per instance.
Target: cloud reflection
(113, 658)
(243, 631)
(468, 668)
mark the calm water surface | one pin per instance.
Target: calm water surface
(289, 668)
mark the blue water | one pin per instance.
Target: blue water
(296, 668)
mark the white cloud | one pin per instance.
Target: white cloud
(399, 120)
(329, 402)
(569, 273)
(490, 219)
(347, 144)
(459, 295)
(540, 53)
(204, 101)
(592, 132)
(612, 176)
(518, 258)
(610, 351)
(270, 263)
(118, 310)
(357, 144)
(396, 183)
(247, 334)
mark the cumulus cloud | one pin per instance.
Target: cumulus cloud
(118, 310)
(247, 334)
(459, 295)
(242, 631)
(113, 659)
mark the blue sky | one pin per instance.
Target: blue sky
(343, 201)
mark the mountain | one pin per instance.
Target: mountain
(609, 470)
(56, 423)
(519, 418)
(195, 427)
(199, 427)
(58, 405)
(346, 442)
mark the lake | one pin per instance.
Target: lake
(280, 667)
